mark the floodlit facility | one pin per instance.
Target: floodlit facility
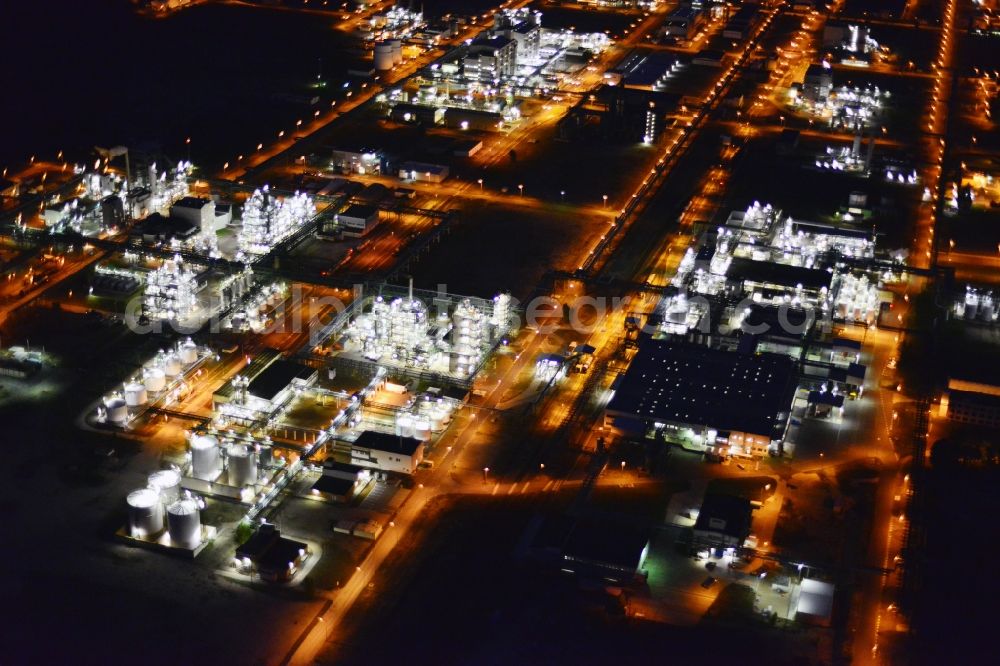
(161, 380)
(264, 388)
(773, 260)
(267, 220)
(403, 332)
(977, 304)
(387, 452)
(172, 292)
(705, 399)
(340, 482)
(162, 516)
(272, 557)
(847, 107)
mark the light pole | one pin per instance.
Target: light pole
(562, 194)
(521, 188)
(480, 181)
(486, 472)
(605, 197)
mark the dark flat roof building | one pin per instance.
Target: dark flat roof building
(273, 556)
(691, 385)
(767, 273)
(159, 228)
(277, 377)
(334, 486)
(723, 521)
(382, 441)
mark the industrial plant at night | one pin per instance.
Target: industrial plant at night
(481, 332)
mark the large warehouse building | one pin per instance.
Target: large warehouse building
(717, 401)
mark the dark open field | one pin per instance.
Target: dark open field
(504, 247)
(465, 599)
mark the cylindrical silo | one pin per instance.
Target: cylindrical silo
(242, 465)
(422, 429)
(167, 483)
(172, 365)
(397, 51)
(188, 352)
(383, 56)
(404, 425)
(438, 415)
(184, 523)
(266, 456)
(145, 512)
(987, 312)
(205, 457)
(155, 381)
(117, 410)
(135, 394)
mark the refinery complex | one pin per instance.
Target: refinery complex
(587, 330)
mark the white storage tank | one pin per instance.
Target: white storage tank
(155, 380)
(971, 309)
(172, 365)
(422, 429)
(205, 457)
(135, 394)
(438, 416)
(188, 352)
(117, 410)
(184, 523)
(404, 425)
(167, 483)
(242, 465)
(383, 56)
(145, 512)
(397, 51)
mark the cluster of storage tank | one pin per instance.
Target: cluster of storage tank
(388, 54)
(207, 460)
(857, 298)
(153, 380)
(162, 505)
(429, 415)
(978, 304)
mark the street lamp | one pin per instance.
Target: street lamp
(605, 200)
(486, 472)
(521, 188)
(480, 181)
